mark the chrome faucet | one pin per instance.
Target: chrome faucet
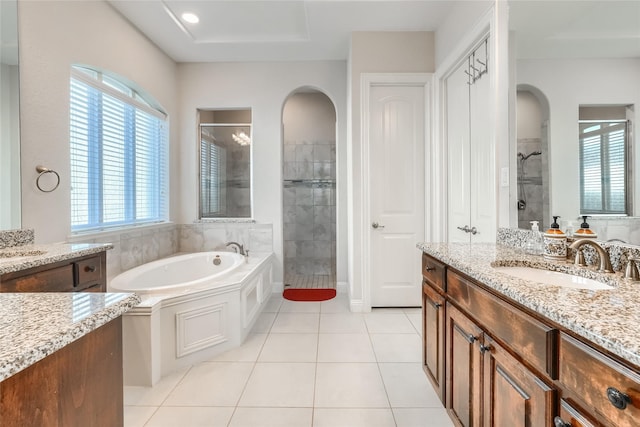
(238, 248)
(605, 262)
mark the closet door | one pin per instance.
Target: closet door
(458, 180)
(482, 151)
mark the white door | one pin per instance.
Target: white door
(459, 165)
(396, 193)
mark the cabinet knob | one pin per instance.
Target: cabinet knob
(559, 422)
(618, 398)
(90, 269)
(430, 269)
(484, 348)
(376, 225)
(472, 338)
(473, 231)
(466, 229)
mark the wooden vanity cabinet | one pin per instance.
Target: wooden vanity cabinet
(86, 273)
(506, 365)
(433, 323)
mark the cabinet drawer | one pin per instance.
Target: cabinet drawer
(59, 279)
(433, 272)
(531, 339)
(88, 272)
(596, 378)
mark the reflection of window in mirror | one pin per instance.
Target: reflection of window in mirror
(225, 163)
(604, 160)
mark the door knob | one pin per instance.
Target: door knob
(376, 225)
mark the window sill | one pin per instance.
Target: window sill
(116, 231)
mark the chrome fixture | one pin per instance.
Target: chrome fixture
(605, 262)
(468, 229)
(238, 248)
(376, 225)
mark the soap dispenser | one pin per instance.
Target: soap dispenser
(584, 232)
(534, 244)
(555, 242)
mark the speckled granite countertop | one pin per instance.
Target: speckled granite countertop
(27, 256)
(34, 325)
(608, 318)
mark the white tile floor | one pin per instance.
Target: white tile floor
(306, 364)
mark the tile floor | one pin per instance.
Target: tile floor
(306, 364)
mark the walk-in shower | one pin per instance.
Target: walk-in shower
(523, 179)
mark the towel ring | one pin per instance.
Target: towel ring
(43, 171)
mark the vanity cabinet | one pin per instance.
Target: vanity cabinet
(506, 365)
(79, 385)
(433, 323)
(87, 274)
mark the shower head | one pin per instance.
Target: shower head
(526, 156)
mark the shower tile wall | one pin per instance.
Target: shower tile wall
(309, 208)
(533, 184)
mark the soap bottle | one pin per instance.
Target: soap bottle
(584, 232)
(534, 244)
(555, 242)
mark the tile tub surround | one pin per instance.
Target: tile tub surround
(608, 318)
(12, 238)
(35, 325)
(50, 254)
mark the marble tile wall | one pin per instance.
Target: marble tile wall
(309, 208)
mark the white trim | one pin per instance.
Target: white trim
(367, 81)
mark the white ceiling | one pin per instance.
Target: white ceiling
(274, 30)
(299, 30)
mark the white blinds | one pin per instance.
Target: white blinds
(211, 158)
(118, 158)
(603, 182)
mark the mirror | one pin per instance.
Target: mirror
(225, 163)
(566, 54)
(9, 118)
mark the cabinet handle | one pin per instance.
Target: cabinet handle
(618, 398)
(466, 229)
(484, 348)
(430, 269)
(559, 422)
(435, 305)
(90, 269)
(473, 231)
(472, 338)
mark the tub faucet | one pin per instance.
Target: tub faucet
(238, 248)
(605, 262)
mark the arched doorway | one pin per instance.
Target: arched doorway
(309, 190)
(532, 150)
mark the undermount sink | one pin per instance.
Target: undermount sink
(556, 278)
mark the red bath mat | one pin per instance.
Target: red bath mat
(309, 294)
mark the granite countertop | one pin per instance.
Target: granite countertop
(34, 325)
(608, 318)
(27, 256)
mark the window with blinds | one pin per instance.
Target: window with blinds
(118, 147)
(212, 161)
(603, 167)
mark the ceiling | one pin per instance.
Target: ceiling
(273, 30)
(303, 30)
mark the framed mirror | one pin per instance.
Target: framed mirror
(564, 55)
(224, 153)
(10, 208)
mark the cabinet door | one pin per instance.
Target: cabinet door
(433, 337)
(463, 366)
(571, 417)
(513, 395)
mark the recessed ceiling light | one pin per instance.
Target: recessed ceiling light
(191, 18)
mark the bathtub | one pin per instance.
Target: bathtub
(177, 274)
(191, 311)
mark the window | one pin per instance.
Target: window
(213, 159)
(118, 147)
(603, 169)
